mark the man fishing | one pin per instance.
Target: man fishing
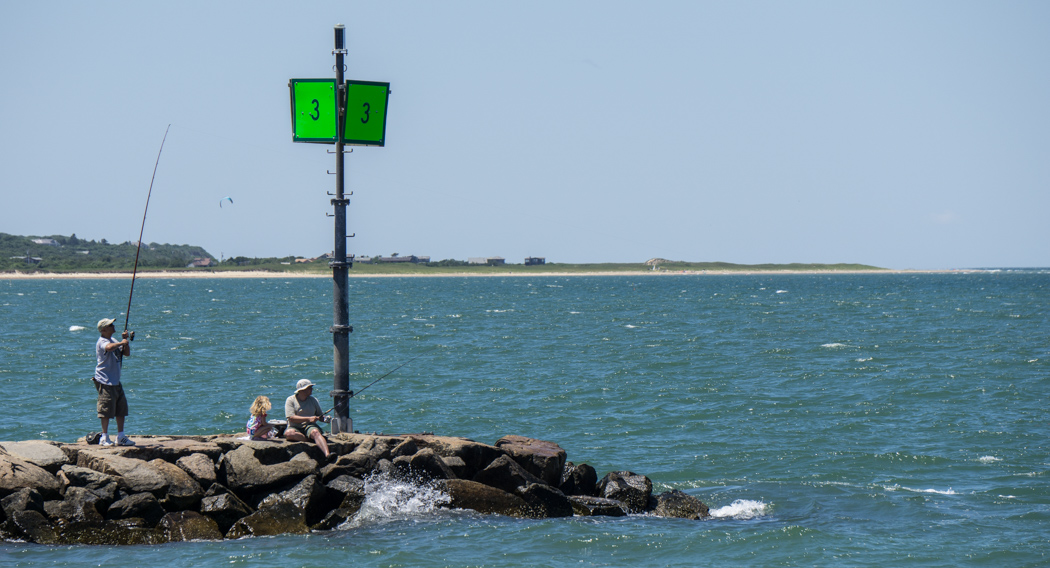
(111, 400)
(303, 413)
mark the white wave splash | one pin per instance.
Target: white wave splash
(77, 328)
(741, 509)
(834, 345)
(388, 498)
(989, 459)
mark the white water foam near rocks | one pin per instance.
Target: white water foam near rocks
(388, 498)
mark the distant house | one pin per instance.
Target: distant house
(201, 263)
(535, 260)
(489, 260)
(48, 242)
(413, 259)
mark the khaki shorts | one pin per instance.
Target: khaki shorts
(111, 400)
(303, 429)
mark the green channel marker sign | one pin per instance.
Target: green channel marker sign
(365, 123)
(314, 110)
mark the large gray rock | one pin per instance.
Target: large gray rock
(33, 527)
(428, 464)
(188, 525)
(102, 485)
(338, 488)
(309, 495)
(282, 518)
(587, 506)
(17, 473)
(200, 467)
(677, 504)
(183, 491)
(224, 507)
(25, 499)
(140, 505)
(135, 475)
(543, 501)
(541, 458)
(505, 473)
(45, 454)
(631, 489)
(242, 472)
(78, 505)
(476, 456)
(482, 498)
(578, 480)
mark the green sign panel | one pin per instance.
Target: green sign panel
(314, 111)
(365, 113)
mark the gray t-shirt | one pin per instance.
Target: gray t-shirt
(107, 370)
(308, 407)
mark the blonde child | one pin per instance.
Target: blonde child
(258, 427)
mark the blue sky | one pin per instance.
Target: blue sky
(898, 134)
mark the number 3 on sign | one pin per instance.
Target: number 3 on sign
(365, 125)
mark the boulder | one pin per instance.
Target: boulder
(475, 456)
(631, 489)
(242, 472)
(333, 519)
(308, 495)
(224, 508)
(281, 518)
(429, 465)
(356, 463)
(586, 506)
(102, 485)
(139, 505)
(135, 475)
(33, 527)
(188, 525)
(25, 499)
(543, 501)
(545, 460)
(578, 480)
(482, 498)
(79, 505)
(405, 448)
(677, 504)
(183, 491)
(45, 454)
(200, 467)
(338, 488)
(17, 473)
(505, 473)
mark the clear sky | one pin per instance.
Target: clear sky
(898, 134)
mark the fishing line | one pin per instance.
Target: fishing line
(390, 372)
(135, 270)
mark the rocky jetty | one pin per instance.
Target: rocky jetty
(176, 488)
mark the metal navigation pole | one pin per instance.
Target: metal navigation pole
(341, 328)
(350, 112)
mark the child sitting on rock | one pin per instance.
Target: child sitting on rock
(258, 427)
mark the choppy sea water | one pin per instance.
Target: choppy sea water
(862, 420)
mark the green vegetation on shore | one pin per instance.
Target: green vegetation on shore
(71, 254)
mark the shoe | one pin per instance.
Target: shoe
(105, 441)
(125, 441)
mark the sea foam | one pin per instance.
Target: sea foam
(741, 509)
(76, 328)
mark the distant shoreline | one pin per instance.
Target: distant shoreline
(265, 274)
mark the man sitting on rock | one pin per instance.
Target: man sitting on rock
(303, 412)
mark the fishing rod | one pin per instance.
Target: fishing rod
(134, 271)
(352, 394)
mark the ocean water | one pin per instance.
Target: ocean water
(855, 419)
